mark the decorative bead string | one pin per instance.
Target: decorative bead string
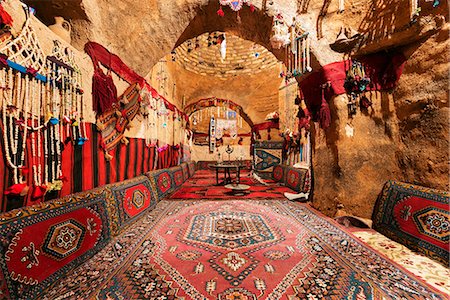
(27, 107)
(414, 8)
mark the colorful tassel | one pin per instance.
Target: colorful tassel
(324, 114)
(108, 156)
(53, 121)
(5, 18)
(104, 92)
(39, 192)
(220, 12)
(125, 141)
(365, 103)
(18, 189)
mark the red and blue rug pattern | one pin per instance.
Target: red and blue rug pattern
(236, 249)
(134, 197)
(415, 216)
(202, 186)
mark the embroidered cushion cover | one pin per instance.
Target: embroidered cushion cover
(133, 197)
(40, 244)
(415, 216)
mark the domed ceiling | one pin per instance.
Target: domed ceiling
(202, 55)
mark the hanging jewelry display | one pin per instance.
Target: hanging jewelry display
(64, 113)
(355, 84)
(298, 52)
(22, 88)
(15, 113)
(415, 9)
(37, 94)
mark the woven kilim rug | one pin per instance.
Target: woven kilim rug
(239, 250)
(202, 186)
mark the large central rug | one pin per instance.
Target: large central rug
(239, 250)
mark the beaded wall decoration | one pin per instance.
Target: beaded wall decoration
(41, 102)
(235, 5)
(298, 52)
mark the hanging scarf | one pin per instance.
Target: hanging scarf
(104, 92)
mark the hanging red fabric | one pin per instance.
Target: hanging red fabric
(383, 69)
(5, 18)
(104, 91)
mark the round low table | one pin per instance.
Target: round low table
(237, 189)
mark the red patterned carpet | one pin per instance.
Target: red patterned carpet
(237, 249)
(202, 186)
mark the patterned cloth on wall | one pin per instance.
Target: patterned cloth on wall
(267, 155)
(42, 243)
(112, 126)
(226, 125)
(415, 216)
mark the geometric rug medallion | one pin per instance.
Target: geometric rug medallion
(237, 249)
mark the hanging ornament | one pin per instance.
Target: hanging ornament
(415, 9)
(220, 12)
(235, 5)
(351, 105)
(365, 103)
(280, 33)
(349, 130)
(223, 47)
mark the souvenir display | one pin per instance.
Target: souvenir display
(42, 109)
(298, 52)
(355, 84)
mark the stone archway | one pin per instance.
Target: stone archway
(214, 102)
